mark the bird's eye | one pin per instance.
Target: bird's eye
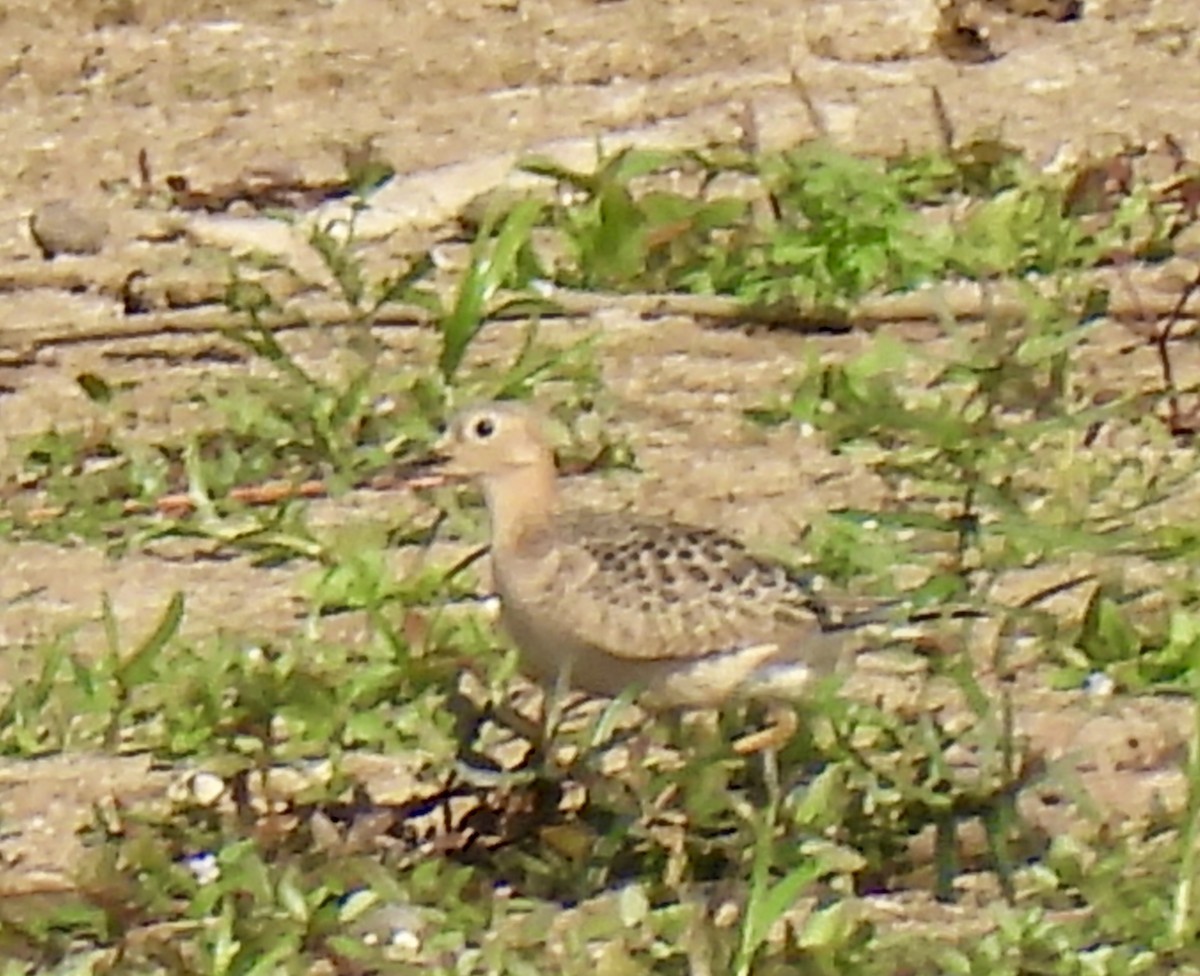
(484, 428)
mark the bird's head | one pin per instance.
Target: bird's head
(492, 441)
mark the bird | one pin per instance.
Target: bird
(606, 603)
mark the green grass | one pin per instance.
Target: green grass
(658, 849)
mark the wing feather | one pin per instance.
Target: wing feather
(645, 590)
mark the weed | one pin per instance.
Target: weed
(640, 846)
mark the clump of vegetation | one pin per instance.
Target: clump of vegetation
(651, 847)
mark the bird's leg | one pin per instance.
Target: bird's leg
(601, 730)
(773, 736)
(553, 708)
(768, 741)
(477, 767)
(779, 725)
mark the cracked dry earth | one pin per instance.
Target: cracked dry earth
(449, 93)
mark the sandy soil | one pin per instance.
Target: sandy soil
(216, 91)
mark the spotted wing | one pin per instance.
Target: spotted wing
(644, 590)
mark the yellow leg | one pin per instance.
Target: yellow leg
(773, 736)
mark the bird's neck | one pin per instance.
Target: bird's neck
(521, 505)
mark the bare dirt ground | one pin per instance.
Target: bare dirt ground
(215, 91)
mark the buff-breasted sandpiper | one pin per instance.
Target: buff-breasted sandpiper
(607, 602)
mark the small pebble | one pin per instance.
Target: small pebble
(65, 227)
